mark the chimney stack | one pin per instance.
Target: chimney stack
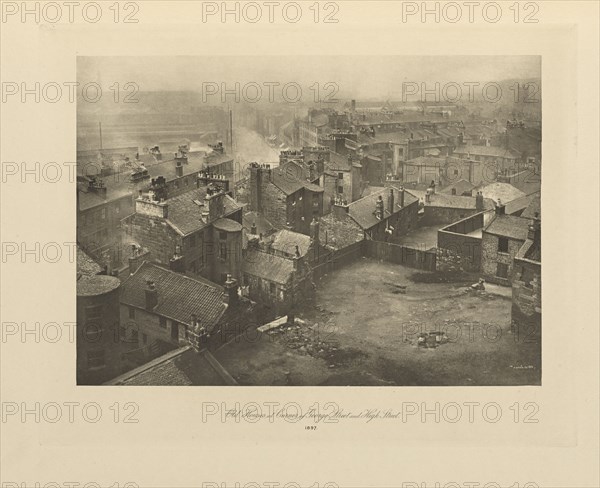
(379, 208)
(391, 201)
(500, 208)
(231, 289)
(479, 201)
(314, 230)
(178, 168)
(401, 197)
(535, 230)
(151, 295)
(176, 263)
(197, 334)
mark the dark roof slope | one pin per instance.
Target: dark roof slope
(268, 266)
(363, 210)
(285, 241)
(186, 216)
(509, 226)
(179, 296)
(183, 367)
(493, 151)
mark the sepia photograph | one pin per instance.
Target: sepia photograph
(241, 221)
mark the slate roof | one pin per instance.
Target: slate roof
(185, 216)
(285, 241)
(86, 266)
(338, 233)
(182, 367)
(118, 185)
(451, 201)
(363, 210)
(95, 285)
(535, 205)
(288, 183)
(461, 186)
(509, 226)
(268, 266)
(179, 296)
(498, 152)
(501, 191)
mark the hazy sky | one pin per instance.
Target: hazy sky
(356, 76)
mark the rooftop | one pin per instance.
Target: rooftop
(86, 266)
(285, 241)
(509, 226)
(185, 215)
(505, 192)
(339, 232)
(534, 206)
(461, 187)
(89, 286)
(288, 183)
(268, 266)
(363, 210)
(182, 367)
(451, 201)
(494, 151)
(179, 296)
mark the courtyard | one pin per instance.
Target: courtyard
(373, 323)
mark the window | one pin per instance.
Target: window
(455, 172)
(103, 213)
(96, 359)
(340, 189)
(341, 176)
(134, 337)
(223, 235)
(502, 244)
(162, 322)
(223, 251)
(272, 288)
(131, 312)
(502, 270)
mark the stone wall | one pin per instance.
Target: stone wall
(444, 215)
(155, 235)
(490, 257)
(457, 251)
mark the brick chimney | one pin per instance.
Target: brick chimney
(479, 201)
(231, 290)
(379, 208)
(176, 263)
(535, 230)
(197, 335)
(391, 201)
(401, 202)
(178, 168)
(215, 202)
(151, 295)
(500, 208)
(314, 230)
